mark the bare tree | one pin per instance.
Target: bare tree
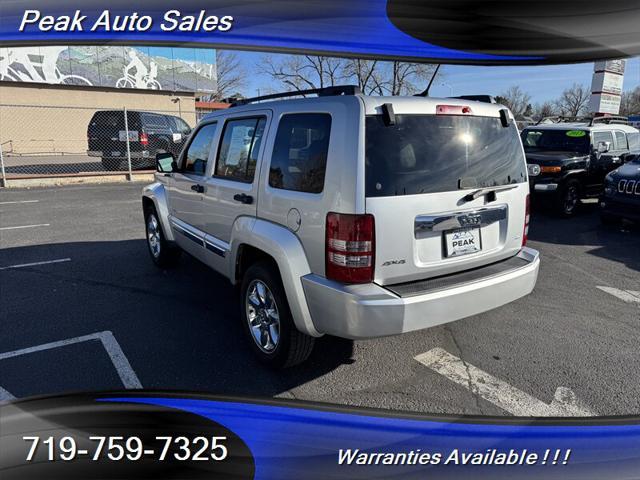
(574, 100)
(516, 100)
(403, 78)
(297, 72)
(546, 109)
(630, 102)
(365, 72)
(374, 77)
(231, 75)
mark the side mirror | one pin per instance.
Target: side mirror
(165, 163)
(603, 147)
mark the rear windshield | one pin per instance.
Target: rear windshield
(574, 141)
(440, 153)
(113, 120)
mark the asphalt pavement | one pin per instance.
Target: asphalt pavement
(83, 308)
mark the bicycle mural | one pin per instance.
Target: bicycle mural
(33, 64)
(148, 68)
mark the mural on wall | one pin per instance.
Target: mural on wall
(152, 68)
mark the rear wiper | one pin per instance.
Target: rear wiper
(487, 191)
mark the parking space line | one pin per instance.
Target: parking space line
(499, 392)
(5, 396)
(20, 227)
(120, 362)
(35, 264)
(19, 202)
(629, 296)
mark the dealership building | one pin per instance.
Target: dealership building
(48, 94)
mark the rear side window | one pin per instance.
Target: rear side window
(621, 141)
(299, 159)
(602, 137)
(634, 141)
(239, 149)
(108, 118)
(181, 126)
(196, 156)
(440, 153)
(154, 121)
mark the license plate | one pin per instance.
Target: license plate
(115, 154)
(462, 242)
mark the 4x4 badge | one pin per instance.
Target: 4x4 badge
(394, 262)
(465, 220)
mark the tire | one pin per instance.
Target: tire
(163, 254)
(568, 199)
(274, 339)
(111, 164)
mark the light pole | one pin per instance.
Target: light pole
(177, 100)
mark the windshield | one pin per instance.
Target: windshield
(575, 141)
(440, 153)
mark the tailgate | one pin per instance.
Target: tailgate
(421, 174)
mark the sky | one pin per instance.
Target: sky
(541, 82)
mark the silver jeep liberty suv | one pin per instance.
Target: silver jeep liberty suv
(349, 215)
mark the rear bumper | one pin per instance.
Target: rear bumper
(370, 310)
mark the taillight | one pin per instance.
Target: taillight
(527, 216)
(453, 110)
(350, 247)
(144, 139)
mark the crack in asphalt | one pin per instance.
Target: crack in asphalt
(471, 385)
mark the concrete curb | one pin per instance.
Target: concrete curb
(77, 180)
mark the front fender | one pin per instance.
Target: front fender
(285, 248)
(573, 174)
(157, 193)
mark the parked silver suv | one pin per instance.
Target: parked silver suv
(349, 215)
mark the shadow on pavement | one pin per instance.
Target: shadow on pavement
(179, 328)
(618, 243)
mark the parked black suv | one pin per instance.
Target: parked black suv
(568, 162)
(621, 197)
(149, 134)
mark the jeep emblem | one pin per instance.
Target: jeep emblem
(469, 219)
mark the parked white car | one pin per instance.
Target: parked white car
(349, 215)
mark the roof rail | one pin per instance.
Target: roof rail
(590, 121)
(564, 119)
(321, 92)
(612, 119)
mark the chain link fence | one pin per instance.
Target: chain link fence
(38, 141)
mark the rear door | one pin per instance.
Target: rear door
(604, 163)
(419, 176)
(159, 133)
(232, 189)
(180, 134)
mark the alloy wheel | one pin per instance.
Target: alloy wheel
(262, 316)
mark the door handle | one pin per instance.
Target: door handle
(197, 188)
(243, 198)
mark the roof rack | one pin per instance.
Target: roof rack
(612, 119)
(564, 119)
(589, 121)
(321, 92)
